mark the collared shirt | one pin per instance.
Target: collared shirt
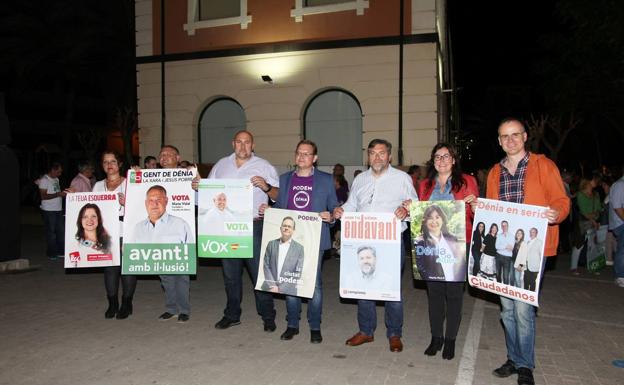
(283, 250)
(616, 201)
(511, 187)
(534, 254)
(215, 221)
(445, 257)
(502, 241)
(384, 193)
(167, 229)
(52, 186)
(444, 194)
(254, 166)
(80, 183)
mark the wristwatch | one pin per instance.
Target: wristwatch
(268, 189)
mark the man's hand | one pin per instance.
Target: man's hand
(552, 215)
(259, 182)
(325, 216)
(338, 212)
(195, 182)
(401, 212)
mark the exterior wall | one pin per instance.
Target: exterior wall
(423, 16)
(274, 111)
(143, 26)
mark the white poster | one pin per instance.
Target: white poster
(159, 224)
(92, 230)
(370, 256)
(512, 238)
(290, 252)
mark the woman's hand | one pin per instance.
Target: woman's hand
(472, 201)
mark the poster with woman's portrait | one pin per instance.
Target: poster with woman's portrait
(507, 249)
(439, 240)
(92, 230)
(289, 254)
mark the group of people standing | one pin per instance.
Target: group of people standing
(520, 177)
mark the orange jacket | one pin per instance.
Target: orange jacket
(542, 187)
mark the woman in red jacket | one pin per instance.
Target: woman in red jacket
(445, 181)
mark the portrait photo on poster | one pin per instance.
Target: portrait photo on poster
(289, 253)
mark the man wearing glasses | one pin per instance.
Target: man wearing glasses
(523, 177)
(308, 189)
(381, 188)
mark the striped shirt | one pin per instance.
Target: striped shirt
(511, 188)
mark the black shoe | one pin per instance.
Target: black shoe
(269, 326)
(289, 334)
(183, 318)
(113, 307)
(316, 337)
(166, 316)
(226, 323)
(449, 349)
(435, 346)
(506, 370)
(126, 308)
(525, 376)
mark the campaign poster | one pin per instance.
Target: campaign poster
(92, 230)
(159, 224)
(370, 256)
(507, 250)
(225, 218)
(439, 235)
(290, 252)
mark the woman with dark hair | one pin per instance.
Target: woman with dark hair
(91, 233)
(488, 254)
(445, 181)
(518, 258)
(477, 242)
(114, 182)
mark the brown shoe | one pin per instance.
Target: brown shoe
(395, 344)
(359, 339)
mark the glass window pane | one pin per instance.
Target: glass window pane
(333, 120)
(311, 3)
(218, 9)
(217, 126)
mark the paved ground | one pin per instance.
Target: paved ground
(52, 331)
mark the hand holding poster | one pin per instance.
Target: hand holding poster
(370, 256)
(439, 234)
(507, 249)
(159, 226)
(92, 230)
(225, 219)
(290, 252)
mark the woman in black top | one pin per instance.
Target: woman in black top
(477, 243)
(488, 258)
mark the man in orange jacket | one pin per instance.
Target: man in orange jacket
(523, 177)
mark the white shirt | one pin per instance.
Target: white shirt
(502, 241)
(254, 166)
(384, 193)
(52, 186)
(283, 250)
(167, 229)
(616, 201)
(446, 257)
(534, 254)
(100, 186)
(215, 219)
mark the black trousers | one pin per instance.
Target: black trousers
(529, 279)
(112, 276)
(445, 302)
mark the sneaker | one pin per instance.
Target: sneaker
(226, 323)
(506, 370)
(619, 282)
(525, 376)
(609, 263)
(166, 316)
(183, 318)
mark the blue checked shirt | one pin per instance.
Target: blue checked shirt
(512, 186)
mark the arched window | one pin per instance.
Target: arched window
(218, 123)
(333, 120)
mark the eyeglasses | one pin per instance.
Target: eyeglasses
(380, 154)
(440, 158)
(515, 136)
(304, 154)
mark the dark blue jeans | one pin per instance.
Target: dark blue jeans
(232, 276)
(367, 313)
(54, 225)
(315, 304)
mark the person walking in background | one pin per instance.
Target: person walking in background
(52, 211)
(589, 206)
(616, 224)
(445, 181)
(82, 180)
